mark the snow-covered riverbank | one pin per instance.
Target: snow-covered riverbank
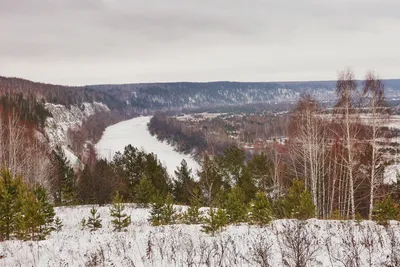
(135, 132)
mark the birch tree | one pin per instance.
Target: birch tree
(346, 90)
(374, 91)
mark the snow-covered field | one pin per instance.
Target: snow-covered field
(322, 243)
(135, 132)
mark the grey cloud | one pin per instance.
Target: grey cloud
(191, 39)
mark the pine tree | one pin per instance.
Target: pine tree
(193, 214)
(214, 222)
(235, 206)
(168, 211)
(10, 206)
(94, 221)
(58, 225)
(65, 191)
(121, 220)
(156, 212)
(386, 210)
(29, 218)
(298, 202)
(144, 191)
(183, 184)
(46, 211)
(261, 211)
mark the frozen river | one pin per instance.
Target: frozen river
(134, 132)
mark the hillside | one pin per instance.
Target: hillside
(187, 95)
(323, 242)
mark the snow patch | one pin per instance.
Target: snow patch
(390, 174)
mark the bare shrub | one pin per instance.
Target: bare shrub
(298, 246)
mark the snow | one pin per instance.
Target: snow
(64, 118)
(180, 245)
(390, 174)
(135, 132)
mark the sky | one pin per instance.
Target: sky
(78, 42)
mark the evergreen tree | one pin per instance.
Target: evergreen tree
(65, 191)
(46, 211)
(298, 202)
(261, 168)
(215, 221)
(193, 214)
(10, 206)
(29, 218)
(94, 221)
(261, 211)
(211, 183)
(386, 210)
(168, 211)
(183, 184)
(247, 184)
(144, 191)
(58, 225)
(121, 220)
(235, 205)
(156, 212)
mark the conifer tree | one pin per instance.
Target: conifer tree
(183, 184)
(168, 211)
(10, 205)
(121, 220)
(235, 206)
(46, 211)
(386, 210)
(215, 221)
(193, 214)
(260, 208)
(29, 218)
(156, 212)
(65, 193)
(58, 225)
(298, 202)
(144, 191)
(94, 221)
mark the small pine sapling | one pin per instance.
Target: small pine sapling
(58, 225)
(46, 211)
(94, 221)
(121, 220)
(156, 212)
(385, 210)
(235, 206)
(193, 214)
(168, 211)
(215, 221)
(260, 210)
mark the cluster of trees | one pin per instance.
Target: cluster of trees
(30, 110)
(214, 135)
(183, 138)
(25, 213)
(64, 95)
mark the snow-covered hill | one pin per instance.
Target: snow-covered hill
(323, 242)
(135, 132)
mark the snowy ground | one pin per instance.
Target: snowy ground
(135, 132)
(325, 242)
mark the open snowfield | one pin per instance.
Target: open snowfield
(135, 132)
(185, 245)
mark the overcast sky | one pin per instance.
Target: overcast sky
(77, 42)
